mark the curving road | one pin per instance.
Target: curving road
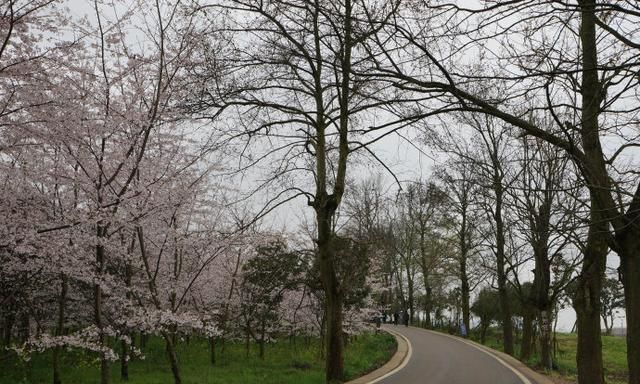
(441, 359)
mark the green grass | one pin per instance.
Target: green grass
(284, 363)
(614, 355)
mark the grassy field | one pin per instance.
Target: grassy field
(614, 354)
(283, 364)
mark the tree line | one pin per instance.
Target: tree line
(129, 136)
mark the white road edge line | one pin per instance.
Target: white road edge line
(522, 377)
(404, 362)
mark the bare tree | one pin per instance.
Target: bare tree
(545, 203)
(459, 181)
(291, 88)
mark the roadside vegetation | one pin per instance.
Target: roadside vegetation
(614, 355)
(284, 362)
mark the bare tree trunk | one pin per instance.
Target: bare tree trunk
(247, 338)
(507, 326)
(323, 334)
(587, 302)
(589, 355)
(630, 271)
(105, 370)
(212, 350)
(410, 301)
(173, 358)
(555, 336)
(464, 292)
(608, 327)
(527, 335)
(25, 333)
(463, 238)
(333, 306)
(59, 329)
(546, 358)
(541, 299)
(124, 361)
(425, 277)
(427, 306)
(483, 333)
(126, 352)
(9, 320)
(262, 338)
(143, 340)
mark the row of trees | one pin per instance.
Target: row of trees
(501, 210)
(439, 247)
(102, 141)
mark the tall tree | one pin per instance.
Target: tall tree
(290, 84)
(547, 210)
(461, 186)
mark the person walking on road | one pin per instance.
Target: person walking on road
(395, 317)
(406, 318)
(463, 330)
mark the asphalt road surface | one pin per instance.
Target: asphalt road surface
(440, 359)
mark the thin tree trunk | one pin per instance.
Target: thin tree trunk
(105, 369)
(212, 350)
(25, 334)
(410, 309)
(464, 254)
(464, 292)
(126, 352)
(9, 320)
(173, 358)
(483, 333)
(323, 335)
(427, 309)
(425, 277)
(247, 339)
(59, 329)
(555, 338)
(124, 361)
(262, 337)
(527, 335)
(507, 326)
(143, 340)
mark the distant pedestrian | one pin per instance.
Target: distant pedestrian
(406, 318)
(395, 318)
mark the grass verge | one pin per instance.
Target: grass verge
(614, 356)
(284, 363)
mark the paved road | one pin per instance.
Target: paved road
(439, 359)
